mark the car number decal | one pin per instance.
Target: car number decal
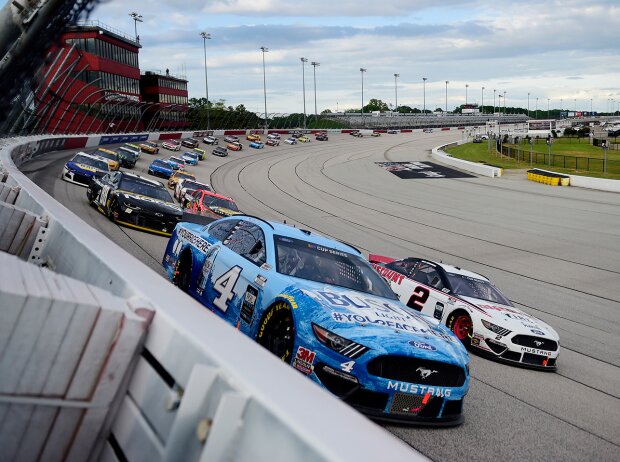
(225, 285)
(418, 298)
(103, 196)
(348, 366)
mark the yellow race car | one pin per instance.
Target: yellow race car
(150, 147)
(253, 137)
(178, 176)
(110, 157)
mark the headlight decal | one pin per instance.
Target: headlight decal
(339, 344)
(495, 328)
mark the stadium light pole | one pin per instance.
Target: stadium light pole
(466, 87)
(396, 76)
(528, 103)
(548, 108)
(447, 82)
(206, 37)
(136, 19)
(494, 90)
(303, 80)
(264, 50)
(362, 70)
(504, 102)
(314, 65)
(482, 101)
(590, 107)
(424, 79)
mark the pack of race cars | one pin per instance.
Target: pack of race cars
(388, 336)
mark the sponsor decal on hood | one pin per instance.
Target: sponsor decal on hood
(358, 308)
(152, 200)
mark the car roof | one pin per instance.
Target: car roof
(214, 194)
(140, 177)
(285, 230)
(453, 269)
(92, 156)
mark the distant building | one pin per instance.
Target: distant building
(92, 82)
(167, 101)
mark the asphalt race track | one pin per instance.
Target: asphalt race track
(554, 251)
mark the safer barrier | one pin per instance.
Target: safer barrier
(200, 390)
(473, 167)
(548, 178)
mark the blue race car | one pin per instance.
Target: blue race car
(84, 167)
(320, 306)
(257, 144)
(190, 158)
(160, 167)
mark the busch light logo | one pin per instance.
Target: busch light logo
(422, 345)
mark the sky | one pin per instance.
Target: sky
(565, 53)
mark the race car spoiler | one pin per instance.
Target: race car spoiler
(196, 218)
(380, 259)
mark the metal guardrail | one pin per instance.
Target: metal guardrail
(200, 390)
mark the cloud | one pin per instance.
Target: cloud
(551, 50)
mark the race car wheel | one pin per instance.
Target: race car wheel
(460, 323)
(113, 210)
(150, 172)
(276, 331)
(90, 196)
(183, 272)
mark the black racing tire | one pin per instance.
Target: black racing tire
(90, 196)
(276, 331)
(150, 172)
(459, 322)
(112, 208)
(183, 272)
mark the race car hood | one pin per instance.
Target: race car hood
(85, 168)
(150, 203)
(381, 324)
(513, 318)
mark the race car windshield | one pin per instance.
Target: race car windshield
(160, 163)
(305, 260)
(190, 185)
(107, 155)
(184, 175)
(137, 186)
(212, 201)
(467, 286)
(98, 164)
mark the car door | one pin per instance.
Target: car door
(428, 294)
(108, 184)
(237, 274)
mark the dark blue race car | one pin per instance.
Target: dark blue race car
(160, 167)
(321, 307)
(84, 167)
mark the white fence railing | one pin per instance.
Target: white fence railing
(200, 390)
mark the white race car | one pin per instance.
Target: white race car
(474, 309)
